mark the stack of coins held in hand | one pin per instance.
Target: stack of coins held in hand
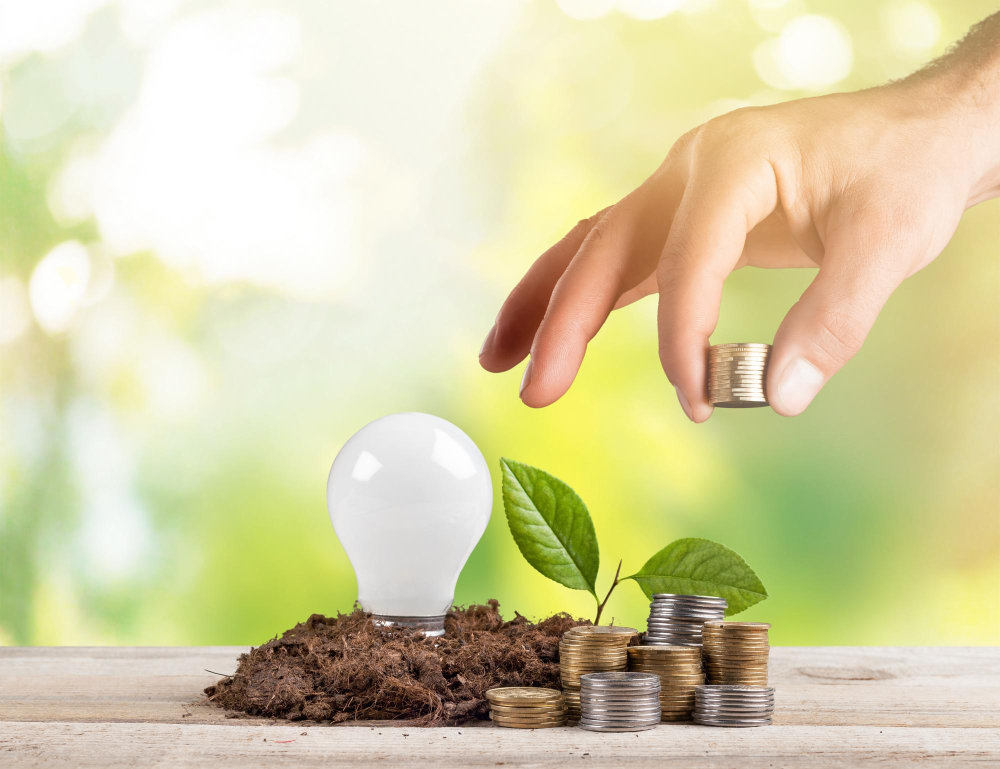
(676, 620)
(590, 649)
(680, 672)
(736, 652)
(733, 705)
(619, 702)
(736, 375)
(525, 707)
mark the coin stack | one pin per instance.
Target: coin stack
(736, 375)
(733, 705)
(619, 702)
(680, 672)
(525, 707)
(676, 620)
(590, 649)
(736, 652)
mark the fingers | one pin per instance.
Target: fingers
(706, 241)
(620, 250)
(828, 325)
(580, 303)
(508, 342)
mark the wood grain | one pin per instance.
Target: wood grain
(835, 706)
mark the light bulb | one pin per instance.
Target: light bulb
(409, 497)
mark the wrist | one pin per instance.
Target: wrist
(960, 94)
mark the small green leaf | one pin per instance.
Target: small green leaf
(551, 526)
(696, 566)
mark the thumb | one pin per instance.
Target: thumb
(827, 326)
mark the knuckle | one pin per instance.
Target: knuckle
(840, 335)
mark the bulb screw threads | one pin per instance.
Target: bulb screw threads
(431, 626)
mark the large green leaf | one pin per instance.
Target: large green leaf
(551, 525)
(701, 567)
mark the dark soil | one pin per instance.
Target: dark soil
(347, 668)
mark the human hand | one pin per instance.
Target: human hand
(868, 186)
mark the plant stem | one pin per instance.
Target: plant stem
(600, 606)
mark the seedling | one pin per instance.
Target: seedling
(554, 532)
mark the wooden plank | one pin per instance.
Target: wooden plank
(128, 706)
(689, 746)
(821, 686)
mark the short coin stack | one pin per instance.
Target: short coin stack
(680, 672)
(619, 702)
(736, 375)
(736, 652)
(590, 649)
(524, 707)
(733, 705)
(676, 620)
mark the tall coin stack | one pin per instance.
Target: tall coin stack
(590, 649)
(680, 672)
(676, 620)
(736, 375)
(736, 652)
(525, 707)
(619, 702)
(733, 706)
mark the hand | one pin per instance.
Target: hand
(868, 186)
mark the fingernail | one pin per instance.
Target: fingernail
(525, 378)
(684, 403)
(798, 385)
(488, 342)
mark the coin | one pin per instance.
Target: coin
(730, 345)
(596, 631)
(528, 725)
(599, 727)
(689, 598)
(523, 695)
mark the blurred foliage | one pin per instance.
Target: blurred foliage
(257, 270)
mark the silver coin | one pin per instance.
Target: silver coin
(730, 698)
(620, 678)
(735, 689)
(713, 600)
(624, 701)
(683, 624)
(734, 713)
(635, 714)
(605, 728)
(621, 718)
(731, 722)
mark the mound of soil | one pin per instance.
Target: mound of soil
(347, 668)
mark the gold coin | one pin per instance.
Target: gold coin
(508, 720)
(737, 626)
(523, 695)
(528, 712)
(601, 630)
(514, 725)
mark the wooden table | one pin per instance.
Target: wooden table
(112, 707)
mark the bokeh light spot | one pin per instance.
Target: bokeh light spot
(648, 9)
(811, 53)
(15, 315)
(583, 10)
(910, 26)
(58, 286)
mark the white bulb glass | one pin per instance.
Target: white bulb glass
(409, 497)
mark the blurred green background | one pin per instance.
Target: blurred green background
(231, 235)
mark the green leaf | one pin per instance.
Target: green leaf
(551, 526)
(696, 566)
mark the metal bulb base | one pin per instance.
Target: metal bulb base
(429, 626)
